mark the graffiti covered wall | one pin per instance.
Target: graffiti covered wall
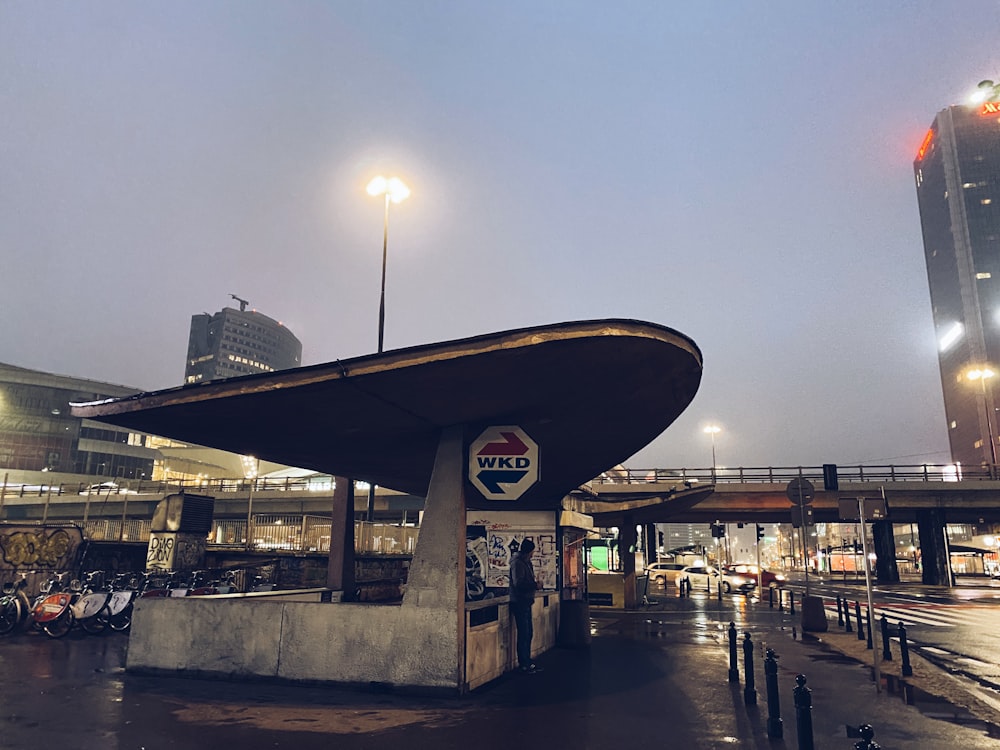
(39, 547)
(496, 536)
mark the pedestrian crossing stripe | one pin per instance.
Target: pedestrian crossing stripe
(940, 616)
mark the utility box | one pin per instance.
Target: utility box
(179, 532)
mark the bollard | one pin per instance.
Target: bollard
(857, 614)
(749, 692)
(734, 671)
(770, 598)
(803, 713)
(867, 741)
(840, 613)
(791, 602)
(847, 617)
(774, 728)
(781, 600)
(708, 585)
(868, 617)
(720, 591)
(904, 651)
(884, 625)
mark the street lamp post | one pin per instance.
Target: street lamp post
(394, 191)
(713, 430)
(982, 374)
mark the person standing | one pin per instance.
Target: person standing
(522, 595)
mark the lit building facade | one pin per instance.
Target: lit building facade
(957, 172)
(42, 444)
(233, 342)
(38, 436)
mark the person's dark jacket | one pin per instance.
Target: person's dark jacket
(522, 579)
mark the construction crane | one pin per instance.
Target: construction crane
(243, 302)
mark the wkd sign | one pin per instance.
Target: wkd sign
(503, 463)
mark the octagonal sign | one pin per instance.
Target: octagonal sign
(503, 462)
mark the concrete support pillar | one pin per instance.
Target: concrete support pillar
(626, 548)
(886, 570)
(340, 568)
(935, 567)
(651, 554)
(436, 581)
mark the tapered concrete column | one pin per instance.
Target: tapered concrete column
(436, 581)
(935, 567)
(626, 551)
(886, 570)
(340, 568)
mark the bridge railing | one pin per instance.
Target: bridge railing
(783, 474)
(322, 483)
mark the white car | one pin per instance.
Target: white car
(107, 488)
(706, 578)
(661, 572)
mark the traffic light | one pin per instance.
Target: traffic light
(830, 477)
(718, 530)
(760, 532)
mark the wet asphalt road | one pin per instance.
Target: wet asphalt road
(654, 679)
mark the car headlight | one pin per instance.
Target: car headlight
(779, 577)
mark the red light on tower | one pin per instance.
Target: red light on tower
(925, 145)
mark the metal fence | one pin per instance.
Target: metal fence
(114, 530)
(270, 532)
(311, 534)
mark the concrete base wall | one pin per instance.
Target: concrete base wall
(272, 638)
(491, 644)
(282, 637)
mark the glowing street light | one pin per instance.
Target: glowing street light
(395, 191)
(982, 374)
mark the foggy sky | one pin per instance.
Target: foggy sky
(741, 172)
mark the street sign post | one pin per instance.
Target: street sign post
(800, 493)
(503, 462)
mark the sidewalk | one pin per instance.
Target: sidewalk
(838, 674)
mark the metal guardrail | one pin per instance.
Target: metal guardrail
(743, 474)
(293, 533)
(783, 474)
(148, 487)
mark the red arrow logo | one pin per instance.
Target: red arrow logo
(513, 446)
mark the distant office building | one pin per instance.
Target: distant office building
(957, 171)
(37, 433)
(42, 444)
(238, 342)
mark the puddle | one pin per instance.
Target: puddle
(832, 657)
(936, 707)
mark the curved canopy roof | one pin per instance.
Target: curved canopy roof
(590, 393)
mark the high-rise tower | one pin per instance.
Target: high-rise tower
(957, 171)
(238, 342)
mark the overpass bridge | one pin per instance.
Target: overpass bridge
(926, 495)
(930, 497)
(645, 495)
(759, 494)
